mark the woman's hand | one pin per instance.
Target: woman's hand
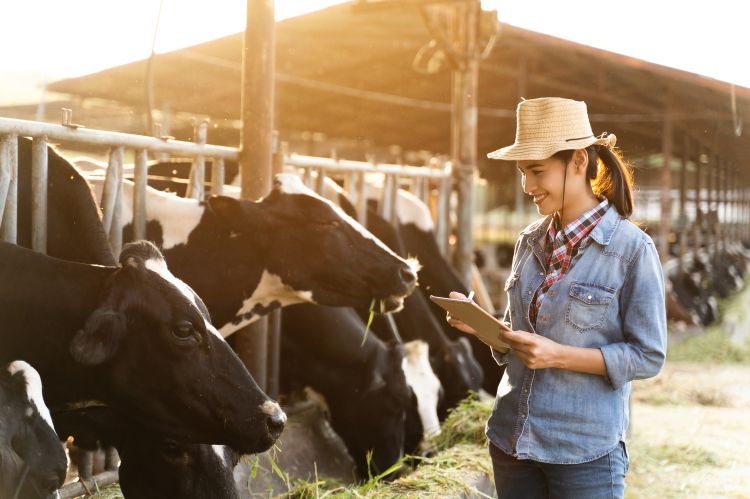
(535, 351)
(460, 325)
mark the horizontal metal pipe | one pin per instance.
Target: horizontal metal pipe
(112, 139)
(343, 165)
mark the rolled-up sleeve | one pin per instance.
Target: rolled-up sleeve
(644, 322)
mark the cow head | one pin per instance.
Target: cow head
(166, 365)
(375, 411)
(315, 251)
(32, 461)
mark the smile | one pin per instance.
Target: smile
(539, 198)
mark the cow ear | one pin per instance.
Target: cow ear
(236, 214)
(100, 337)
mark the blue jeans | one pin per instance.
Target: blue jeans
(527, 479)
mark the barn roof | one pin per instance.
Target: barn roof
(349, 73)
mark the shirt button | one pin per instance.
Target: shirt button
(589, 297)
(529, 293)
(541, 273)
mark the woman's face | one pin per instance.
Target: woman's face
(543, 180)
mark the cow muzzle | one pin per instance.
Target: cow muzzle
(275, 418)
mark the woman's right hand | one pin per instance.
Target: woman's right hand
(461, 326)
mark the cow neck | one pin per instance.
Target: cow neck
(220, 270)
(38, 326)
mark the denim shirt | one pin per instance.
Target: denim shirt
(612, 298)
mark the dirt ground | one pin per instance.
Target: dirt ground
(691, 433)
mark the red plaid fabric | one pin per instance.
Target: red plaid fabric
(561, 247)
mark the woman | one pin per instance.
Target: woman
(586, 312)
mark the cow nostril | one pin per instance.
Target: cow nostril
(276, 423)
(408, 275)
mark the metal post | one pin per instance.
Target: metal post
(9, 189)
(274, 318)
(666, 182)
(464, 132)
(217, 177)
(39, 161)
(385, 203)
(362, 198)
(140, 181)
(683, 199)
(709, 197)
(256, 139)
(115, 231)
(196, 186)
(519, 196)
(442, 227)
(697, 235)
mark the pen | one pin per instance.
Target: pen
(471, 295)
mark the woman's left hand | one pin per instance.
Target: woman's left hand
(535, 351)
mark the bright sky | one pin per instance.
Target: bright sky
(75, 37)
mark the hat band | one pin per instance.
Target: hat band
(580, 138)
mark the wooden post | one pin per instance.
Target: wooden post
(666, 181)
(697, 234)
(683, 199)
(519, 195)
(257, 103)
(464, 131)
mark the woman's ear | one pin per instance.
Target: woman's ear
(580, 160)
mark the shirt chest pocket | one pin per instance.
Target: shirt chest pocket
(588, 305)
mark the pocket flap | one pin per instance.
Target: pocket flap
(592, 294)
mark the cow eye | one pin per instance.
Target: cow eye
(183, 330)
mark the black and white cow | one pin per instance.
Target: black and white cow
(133, 338)
(246, 258)
(452, 360)
(362, 380)
(437, 277)
(32, 462)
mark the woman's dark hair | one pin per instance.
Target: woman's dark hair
(610, 175)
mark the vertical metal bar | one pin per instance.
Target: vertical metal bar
(442, 228)
(308, 177)
(683, 199)
(115, 228)
(217, 177)
(196, 188)
(350, 186)
(393, 199)
(274, 317)
(362, 198)
(697, 223)
(320, 181)
(666, 181)
(140, 180)
(9, 218)
(256, 142)
(384, 203)
(109, 194)
(39, 165)
(4, 172)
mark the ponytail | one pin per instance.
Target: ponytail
(614, 180)
(610, 176)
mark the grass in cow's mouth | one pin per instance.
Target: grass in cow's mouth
(369, 321)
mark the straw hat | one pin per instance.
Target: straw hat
(550, 124)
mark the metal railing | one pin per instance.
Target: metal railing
(425, 182)
(110, 202)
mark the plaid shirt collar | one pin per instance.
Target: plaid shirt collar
(576, 230)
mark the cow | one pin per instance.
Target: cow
(86, 329)
(246, 258)
(361, 378)
(452, 361)
(32, 462)
(437, 277)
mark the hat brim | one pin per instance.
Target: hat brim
(538, 151)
